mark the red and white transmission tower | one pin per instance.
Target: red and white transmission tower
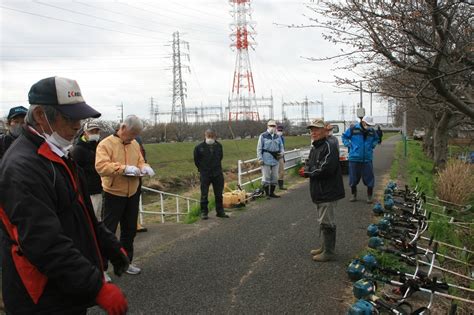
(242, 102)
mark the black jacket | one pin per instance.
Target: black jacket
(84, 154)
(324, 171)
(49, 224)
(207, 158)
(6, 141)
(379, 134)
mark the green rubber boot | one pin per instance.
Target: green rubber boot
(329, 247)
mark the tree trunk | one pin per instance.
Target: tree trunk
(428, 145)
(440, 141)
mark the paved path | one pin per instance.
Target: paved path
(256, 262)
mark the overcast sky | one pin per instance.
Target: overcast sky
(119, 51)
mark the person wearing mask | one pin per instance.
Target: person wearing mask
(361, 139)
(52, 260)
(15, 122)
(269, 151)
(326, 186)
(120, 164)
(281, 160)
(83, 153)
(208, 160)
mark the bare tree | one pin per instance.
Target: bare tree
(427, 37)
(418, 51)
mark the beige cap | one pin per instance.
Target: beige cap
(271, 122)
(316, 123)
(91, 126)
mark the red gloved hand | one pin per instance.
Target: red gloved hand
(112, 300)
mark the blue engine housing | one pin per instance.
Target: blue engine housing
(361, 307)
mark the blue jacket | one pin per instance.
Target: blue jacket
(361, 143)
(268, 146)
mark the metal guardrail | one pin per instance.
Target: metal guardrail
(162, 211)
(292, 158)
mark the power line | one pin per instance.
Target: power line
(131, 45)
(193, 71)
(141, 19)
(96, 17)
(157, 13)
(197, 10)
(76, 23)
(183, 14)
(93, 26)
(114, 69)
(89, 57)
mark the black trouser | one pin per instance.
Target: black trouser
(123, 210)
(217, 182)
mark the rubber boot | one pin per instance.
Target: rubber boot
(353, 194)
(370, 192)
(318, 251)
(329, 251)
(280, 184)
(272, 192)
(266, 188)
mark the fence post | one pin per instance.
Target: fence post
(177, 209)
(162, 203)
(239, 172)
(140, 211)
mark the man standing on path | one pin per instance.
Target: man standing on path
(52, 260)
(326, 186)
(83, 153)
(281, 160)
(269, 151)
(120, 164)
(208, 160)
(361, 140)
(15, 122)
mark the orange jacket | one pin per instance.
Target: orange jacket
(112, 156)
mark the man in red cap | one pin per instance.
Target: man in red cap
(52, 263)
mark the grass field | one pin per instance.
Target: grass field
(176, 172)
(172, 160)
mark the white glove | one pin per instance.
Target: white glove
(131, 170)
(146, 170)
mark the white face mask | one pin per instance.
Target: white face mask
(210, 141)
(94, 137)
(63, 144)
(279, 133)
(271, 130)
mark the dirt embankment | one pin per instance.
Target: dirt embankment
(180, 184)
